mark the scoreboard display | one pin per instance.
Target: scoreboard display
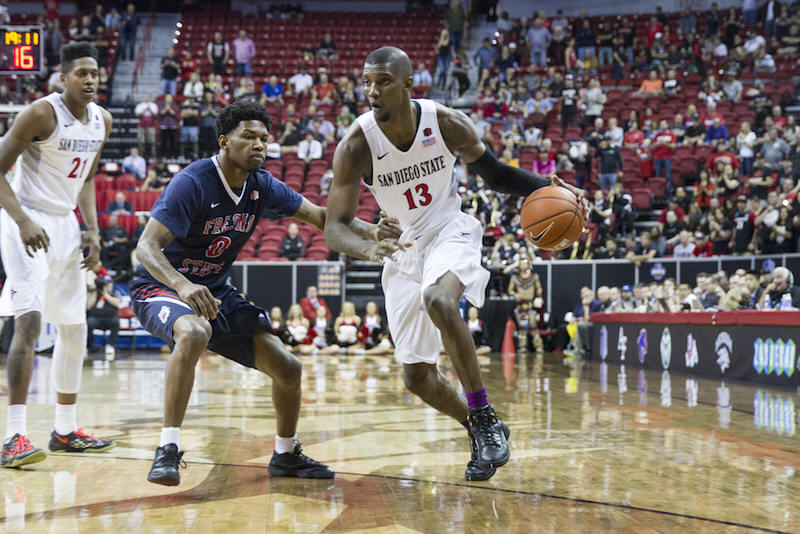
(21, 49)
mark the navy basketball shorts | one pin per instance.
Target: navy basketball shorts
(158, 307)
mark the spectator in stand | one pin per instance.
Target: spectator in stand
(273, 150)
(663, 148)
(687, 23)
(168, 124)
(190, 129)
(444, 58)
(585, 38)
(594, 99)
(292, 244)
(783, 234)
(113, 19)
(743, 227)
(327, 48)
(569, 103)
(774, 150)
(153, 182)
(780, 293)
(218, 53)
(545, 165)
(634, 137)
(289, 135)
(422, 76)
(209, 110)
(765, 219)
(538, 37)
(716, 132)
(611, 166)
(130, 24)
(52, 41)
(324, 130)
(134, 164)
(702, 246)
(301, 82)
(146, 111)
(605, 43)
(272, 92)
(600, 214)
(456, 23)
(189, 66)
(246, 90)
(310, 303)
(644, 251)
(119, 206)
(485, 56)
(671, 85)
(101, 44)
(309, 148)
(324, 92)
(713, 20)
(684, 248)
(244, 50)
(652, 86)
(194, 87)
(170, 66)
(101, 313)
(115, 253)
(732, 88)
(720, 232)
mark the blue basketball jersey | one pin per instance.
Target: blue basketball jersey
(211, 222)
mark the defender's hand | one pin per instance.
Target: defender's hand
(200, 299)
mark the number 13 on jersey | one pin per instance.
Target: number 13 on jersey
(78, 163)
(423, 197)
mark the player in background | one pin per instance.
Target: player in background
(56, 143)
(404, 150)
(197, 227)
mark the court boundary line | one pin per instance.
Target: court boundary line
(526, 493)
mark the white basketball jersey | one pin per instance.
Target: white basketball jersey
(50, 173)
(417, 187)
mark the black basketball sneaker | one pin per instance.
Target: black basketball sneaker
(476, 471)
(487, 430)
(78, 441)
(18, 451)
(165, 466)
(296, 464)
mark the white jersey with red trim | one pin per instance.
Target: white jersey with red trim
(50, 172)
(417, 186)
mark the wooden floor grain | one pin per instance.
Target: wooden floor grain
(595, 448)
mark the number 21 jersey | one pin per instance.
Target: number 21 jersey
(50, 173)
(416, 186)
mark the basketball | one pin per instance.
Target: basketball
(551, 218)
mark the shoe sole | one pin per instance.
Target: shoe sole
(293, 474)
(87, 450)
(480, 478)
(31, 459)
(164, 481)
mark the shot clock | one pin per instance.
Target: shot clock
(21, 49)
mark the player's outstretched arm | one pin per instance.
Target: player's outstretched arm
(150, 253)
(36, 123)
(87, 202)
(387, 227)
(351, 161)
(462, 139)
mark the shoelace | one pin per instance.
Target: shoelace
(486, 428)
(21, 445)
(85, 435)
(178, 459)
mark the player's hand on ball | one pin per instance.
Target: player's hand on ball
(580, 194)
(200, 299)
(33, 237)
(387, 228)
(92, 259)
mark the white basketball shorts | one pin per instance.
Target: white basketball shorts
(455, 248)
(51, 282)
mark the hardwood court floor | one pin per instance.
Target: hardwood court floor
(594, 449)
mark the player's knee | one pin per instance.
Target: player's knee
(439, 306)
(417, 379)
(26, 329)
(291, 374)
(193, 333)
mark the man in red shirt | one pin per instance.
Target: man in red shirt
(777, 118)
(722, 154)
(324, 92)
(702, 246)
(663, 146)
(310, 303)
(188, 65)
(652, 29)
(711, 113)
(672, 206)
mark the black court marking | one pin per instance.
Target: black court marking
(576, 500)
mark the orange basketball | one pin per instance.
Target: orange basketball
(551, 218)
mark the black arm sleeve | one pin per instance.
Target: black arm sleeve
(505, 178)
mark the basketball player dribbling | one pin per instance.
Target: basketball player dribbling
(56, 143)
(404, 150)
(181, 294)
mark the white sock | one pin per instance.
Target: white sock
(15, 420)
(170, 434)
(284, 445)
(66, 418)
